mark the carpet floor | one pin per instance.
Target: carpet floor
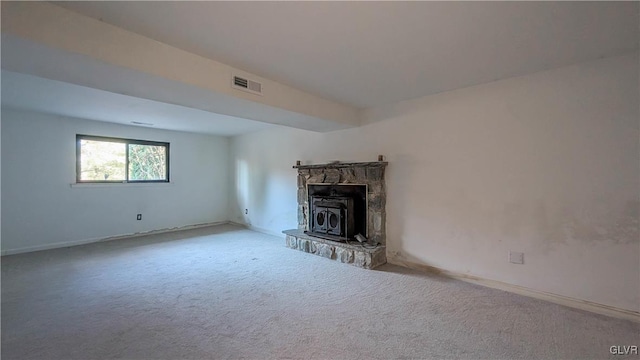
(225, 292)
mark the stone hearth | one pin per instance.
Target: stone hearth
(352, 253)
(369, 174)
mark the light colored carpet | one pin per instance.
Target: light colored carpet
(227, 293)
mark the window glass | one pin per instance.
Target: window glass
(103, 159)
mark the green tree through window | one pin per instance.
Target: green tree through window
(102, 159)
(147, 162)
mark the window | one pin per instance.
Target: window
(103, 160)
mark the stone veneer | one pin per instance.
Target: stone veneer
(352, 253)
(370, 174)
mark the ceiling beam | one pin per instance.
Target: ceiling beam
(46, 40)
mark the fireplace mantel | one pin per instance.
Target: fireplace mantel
(337, 165)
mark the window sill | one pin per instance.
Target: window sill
(118, 185)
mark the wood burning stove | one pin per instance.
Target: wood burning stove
(337, 212)
(333, 215)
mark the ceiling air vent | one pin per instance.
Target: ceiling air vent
(244, 84)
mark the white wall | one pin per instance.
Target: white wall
(546, 164)
(0, 179)
(40, 209)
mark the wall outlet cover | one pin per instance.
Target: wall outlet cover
(516, 257)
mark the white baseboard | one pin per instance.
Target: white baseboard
(259, 229)
(109, 238)
(520, 290)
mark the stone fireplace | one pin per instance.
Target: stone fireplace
(341, 212)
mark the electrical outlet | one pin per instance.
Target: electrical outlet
(516, 257)
(139, 217)
(246, 211)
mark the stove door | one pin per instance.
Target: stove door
(319, 219)
(334, 221)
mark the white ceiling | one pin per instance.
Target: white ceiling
(20, 91)
(361, 54)
(372, 53)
